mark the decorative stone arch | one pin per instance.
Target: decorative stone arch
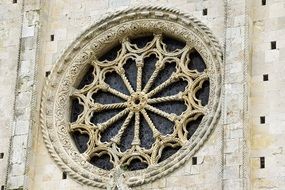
(72, 67)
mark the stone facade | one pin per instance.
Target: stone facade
(34, 34)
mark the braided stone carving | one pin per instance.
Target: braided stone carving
(83, 84)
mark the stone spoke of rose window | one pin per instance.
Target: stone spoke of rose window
(177, 97)
(139, 65)
(103, 126)
(136, 140)
(121, 72)
(155, 132)
(108, 88)
(100, 107)
(163, 85)
(172, 117)
(158, 67)
(117, 139)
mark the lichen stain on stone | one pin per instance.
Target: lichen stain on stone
(262, 183)
(23, 84)
(262, 140)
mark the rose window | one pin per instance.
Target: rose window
(132, 98)
(130, 107)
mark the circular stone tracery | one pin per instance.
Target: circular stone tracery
(157, 107)
(139, 90)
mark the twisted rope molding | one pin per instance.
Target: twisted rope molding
(173, 162)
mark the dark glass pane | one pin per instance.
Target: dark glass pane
(141, 41)
(112, 54)
(128, 136)
(203, 93)
(148, 68)
(196, 62)
(106, 98)
(136, 164)
(76, 109)
(102, 162)
(115, 81)
(102, 116)
(167, 152)
(164, 74)
(131, 72)
(173, 89)
(173, 44)
(162, 124)
(176, 107)
(192, 126)
(87, 79)
(111, 131)
(146, 135)
(80, 140)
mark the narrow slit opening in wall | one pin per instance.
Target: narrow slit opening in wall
(14, 1)
(262, 162)
(265, 77)
(47, 73)
(262, 119)
(194, 160)
(64, 175)
(52, 37)
(1, 155)
(273, 45)
(205, 12)
(263, 2)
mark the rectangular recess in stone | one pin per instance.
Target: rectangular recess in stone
(47, 73)
(263, 2)
(1, 155)
(64, 176)
(265, 77)
(194, 160)
(2, 187)
(262, 162)
(205, 12)
(262, 119)
(14, 1)
(52, 37)
(273, 45)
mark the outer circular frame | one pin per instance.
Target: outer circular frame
(94, 42)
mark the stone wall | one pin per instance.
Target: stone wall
(66, 20)
(230, 159)
(267, 138)
(25, 96)
(236, 95)
(10, 32)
